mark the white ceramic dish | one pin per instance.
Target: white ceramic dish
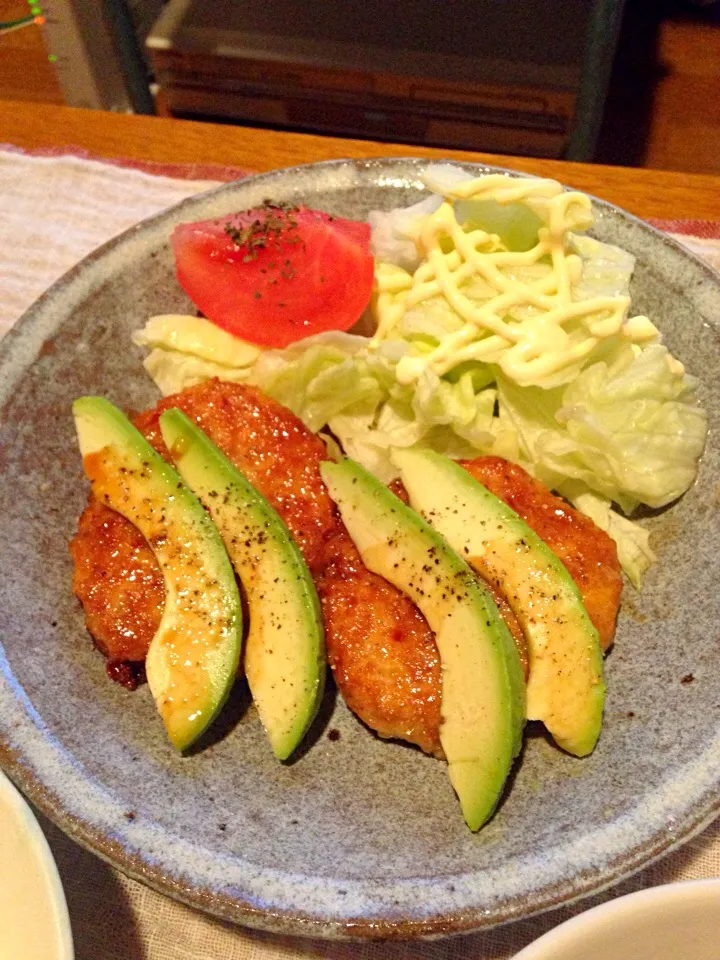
(34, 921)
(678, 921)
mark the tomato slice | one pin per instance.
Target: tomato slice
(276, 274)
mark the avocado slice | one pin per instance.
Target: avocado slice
(565, 686)
(193, 658)
(482, 684)
(285, 646)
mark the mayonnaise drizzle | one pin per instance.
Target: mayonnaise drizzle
(530, 350)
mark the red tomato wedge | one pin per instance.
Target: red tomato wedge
(276, 274)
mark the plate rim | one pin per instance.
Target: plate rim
(704, 811)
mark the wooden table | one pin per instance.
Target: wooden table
(647, 193)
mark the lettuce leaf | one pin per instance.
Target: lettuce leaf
(606, 269)
(196, 337)
(394, 232)
(629, 429)
(186, 350)
(333, 380)
(632, 540)
(173, 371)
(318, 377)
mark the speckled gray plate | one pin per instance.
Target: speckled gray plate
(357, 837)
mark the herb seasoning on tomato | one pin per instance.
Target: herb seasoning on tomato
(278, 273)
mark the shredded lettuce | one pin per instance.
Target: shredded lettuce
(442, 178)
(318, 377)
(515, 224)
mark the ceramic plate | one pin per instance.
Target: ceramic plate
(357, 837)
(34, 918)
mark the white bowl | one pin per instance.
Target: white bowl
(678, 921)
(34, 921)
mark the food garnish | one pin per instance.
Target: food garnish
(483, 694)
(193, 658)
(276, 274)
(284, 656)
(565, 688)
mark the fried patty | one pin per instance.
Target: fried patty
(588, 553)
(381, 650)
(116, 576)
(118, 582)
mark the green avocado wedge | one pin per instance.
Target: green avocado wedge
(565, 687)
(482, 684)
(193, 657)
(285, 646)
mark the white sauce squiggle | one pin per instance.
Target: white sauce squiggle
(532, 328)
